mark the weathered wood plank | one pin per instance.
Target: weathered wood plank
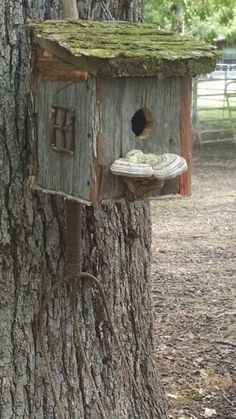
(103, 132)
(60, 171)
(85, 138)
(53, 68)
(119, 100)
(186, 134)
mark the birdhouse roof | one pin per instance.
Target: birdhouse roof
(120, 49)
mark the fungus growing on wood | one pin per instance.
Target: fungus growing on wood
(145, 174)
(139, 165)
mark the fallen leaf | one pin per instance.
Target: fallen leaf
(209, 412)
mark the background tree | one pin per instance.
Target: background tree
(204, 19)
(116, 248)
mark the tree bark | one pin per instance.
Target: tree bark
(115, 248)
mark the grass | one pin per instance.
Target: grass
(214, 113)
(212, 108)
(216, 124)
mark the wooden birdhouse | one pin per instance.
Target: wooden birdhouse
(112, 104)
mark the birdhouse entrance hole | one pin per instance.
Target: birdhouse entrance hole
(142, 123)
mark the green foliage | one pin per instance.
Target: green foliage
(205, 19)
(231, 36)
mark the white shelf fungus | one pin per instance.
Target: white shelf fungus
(137, 164)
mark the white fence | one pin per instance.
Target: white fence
(214, 105)
(224, 71)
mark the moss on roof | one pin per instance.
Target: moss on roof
(121, 49)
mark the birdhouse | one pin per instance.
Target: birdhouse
(112, 106)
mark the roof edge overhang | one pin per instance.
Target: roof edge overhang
(196, 58)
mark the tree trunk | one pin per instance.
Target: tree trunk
(115, 248)
(178, 16)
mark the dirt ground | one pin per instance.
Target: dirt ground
(194, 289)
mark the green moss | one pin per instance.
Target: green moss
(121, 47)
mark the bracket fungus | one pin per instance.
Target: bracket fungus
(145, 174)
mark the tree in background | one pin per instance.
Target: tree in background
(116, 248)
(205, 19)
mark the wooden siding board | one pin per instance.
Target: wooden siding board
(120, 99)
(51, 67)
(65, 96)
(49, 168)
(82, 174)
(186, 134)
(59, 171)
(103, 132)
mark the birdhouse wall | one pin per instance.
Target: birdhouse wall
(119, 99)
(66, 171)
(83, 127)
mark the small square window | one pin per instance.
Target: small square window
(62, 129)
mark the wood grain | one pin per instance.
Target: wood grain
(119, 99)
(186, 134)
(53, 68)
(103, 132)
(58, 171)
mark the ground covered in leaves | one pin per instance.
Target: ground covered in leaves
(194, 289)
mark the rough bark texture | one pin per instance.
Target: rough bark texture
(130, 10)
(116, 248)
